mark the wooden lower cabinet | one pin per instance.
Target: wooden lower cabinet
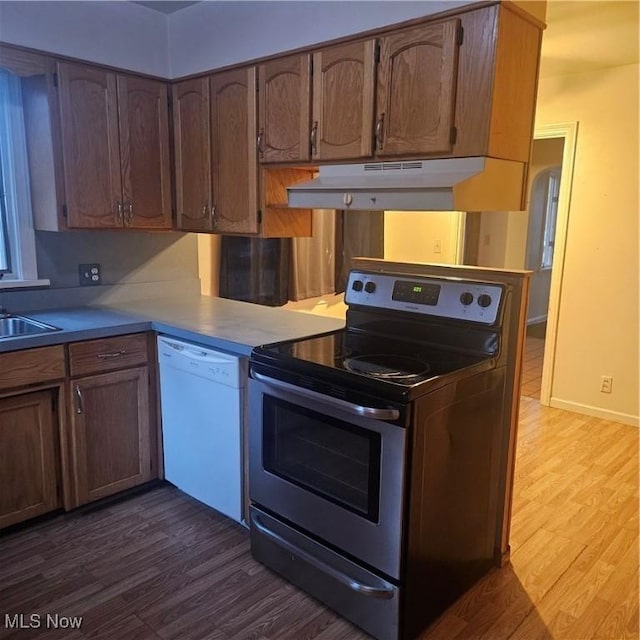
(110, 433)
(29, 456)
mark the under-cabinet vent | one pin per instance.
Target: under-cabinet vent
(475, 183)
(393, 166)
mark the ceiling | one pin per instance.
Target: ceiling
(166, 6)
(581, 35)
(584, 35)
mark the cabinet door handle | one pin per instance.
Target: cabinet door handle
(380, 132)
(120, 210)
(260, 143)
(314, 138)
(213, 213)
(111, 354)
(129, 213)
(79, 400)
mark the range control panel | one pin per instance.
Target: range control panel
(442, 297)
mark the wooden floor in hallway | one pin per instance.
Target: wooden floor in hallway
(532, 367)
(162, 566)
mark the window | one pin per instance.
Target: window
(550, 217)
(17, 241)
(5, 249)
(543, 214)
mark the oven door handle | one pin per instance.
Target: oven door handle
(384, 593)
(349, 407)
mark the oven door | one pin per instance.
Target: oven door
(332, 468)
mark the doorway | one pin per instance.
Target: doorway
(545, 173)
(503, 239)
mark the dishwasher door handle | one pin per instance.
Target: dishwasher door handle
(201, 355)
(348, 407)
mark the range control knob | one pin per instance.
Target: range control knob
(484, 300)
(466, 298)
(357, 285)
(370, 287)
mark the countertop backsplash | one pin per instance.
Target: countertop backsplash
(134, 266)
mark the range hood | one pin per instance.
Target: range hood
(451, 184)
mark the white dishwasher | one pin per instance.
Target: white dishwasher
(202, 398)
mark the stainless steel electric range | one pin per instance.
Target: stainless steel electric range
(374, 451)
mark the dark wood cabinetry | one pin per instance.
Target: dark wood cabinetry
(110, 424)
(416, 90)
(343, 101)
(233, 152)
(192, 149)
(219, 186)
(458, 84)
(29, 459)
(90, 146)
(143, 116)
(30, 477)
(284, 109)
(115, 149)
(453, 86)
(67, 439)
(110, 433)
(216, 166)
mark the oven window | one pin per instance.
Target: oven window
(331, 458)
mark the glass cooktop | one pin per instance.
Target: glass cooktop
(363, 360)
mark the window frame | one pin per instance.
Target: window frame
(15, 191)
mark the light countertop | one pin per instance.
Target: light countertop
(218, 323)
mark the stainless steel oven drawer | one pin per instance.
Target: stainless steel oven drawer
(362, 597)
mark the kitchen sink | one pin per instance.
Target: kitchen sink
(13, 326)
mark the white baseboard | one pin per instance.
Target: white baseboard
(536, 320)
(596, 412)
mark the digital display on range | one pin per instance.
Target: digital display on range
(416, 292)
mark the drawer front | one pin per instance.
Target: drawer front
(31, 366)
(107, 354)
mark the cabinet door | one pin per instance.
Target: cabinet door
(110, 433)
(90, 146)
(192, 154)
(233, 151)
(343, 95)
(284, 104)
(416, 90)
(144, 152)
(28, 457)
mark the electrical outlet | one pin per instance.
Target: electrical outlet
(437, 246)
(90, 274)
(606, 384)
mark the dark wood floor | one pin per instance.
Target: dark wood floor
(162, 566)
(159, 565)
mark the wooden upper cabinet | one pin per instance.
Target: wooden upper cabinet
(233, 151)
(284, 109)
(90, 146)
(343, 101)
(417, 90)
(192, 150)
(144, 150)
(115, 149)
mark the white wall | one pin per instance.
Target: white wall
(421, 236)
(120, 34)
(598, 313)
(209, 35)
(198, 38)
